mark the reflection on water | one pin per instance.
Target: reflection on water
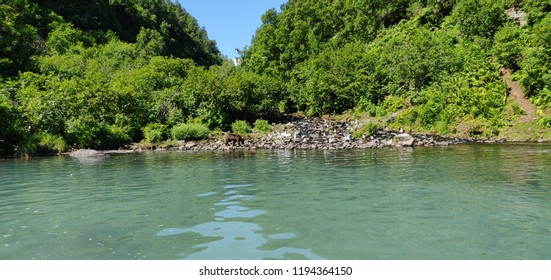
(91, 160)
(235, 239)
(456, 202)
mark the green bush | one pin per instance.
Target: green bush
(262, 126)
(407, 118)
(49, 143)
(508, 45)
(11, 124)
(517, 110)
(476, 130)
(41, 143)
(240, 127)
(428, 113)
(371, 109)
(366, 130)
(115, 137)
(154, 132)
(543, 99)
(26, 147)
(85, 132)
(394, 103)
(545, 122)
(190, 131)
(479, 18)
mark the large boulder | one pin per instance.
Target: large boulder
(403, 140)
(86, 153)
(88, 156)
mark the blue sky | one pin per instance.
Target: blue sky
(231, 23)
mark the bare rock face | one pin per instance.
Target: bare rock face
(519, 16)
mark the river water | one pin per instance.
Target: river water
(457, 202)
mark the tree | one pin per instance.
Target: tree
(479, 18)
(20, 39)
(12, 129)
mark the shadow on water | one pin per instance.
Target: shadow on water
(235, 239)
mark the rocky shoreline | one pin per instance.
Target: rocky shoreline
(305, 134)
(285, 142)
(315, 135)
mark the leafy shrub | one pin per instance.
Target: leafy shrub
(86, 132)
(545, 122)
(544, 98)
(365, 105)
(483, 129)
(479, 18)
(394, 103)
(49, 143)
(115, 136)
(508, 45)
(428, 113)
(190, 131)
(331, 81)
(26, 147)
(262, 126)
(240, 127)
(407, 118)
(366, 130)
(475, 130)
(11, 126)
(517, 110)
(371, 109)
(41, 143)
(154, 132)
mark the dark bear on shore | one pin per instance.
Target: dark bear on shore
(232, 137)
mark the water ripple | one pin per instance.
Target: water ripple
(235, 240)
(457, 202)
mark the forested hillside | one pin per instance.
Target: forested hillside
(436, 63)
(104, 73)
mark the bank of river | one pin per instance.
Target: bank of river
(311, 134)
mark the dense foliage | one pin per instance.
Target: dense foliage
(104, 73)
(191, 131)
(31, 28)
(101, 74)
(435, 63)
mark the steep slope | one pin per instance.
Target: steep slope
(27, 24)
(517, 95)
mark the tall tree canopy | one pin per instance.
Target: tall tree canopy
(26, 24)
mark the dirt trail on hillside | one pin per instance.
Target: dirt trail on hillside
(517, 95)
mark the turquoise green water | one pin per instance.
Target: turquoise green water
(459, 202)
